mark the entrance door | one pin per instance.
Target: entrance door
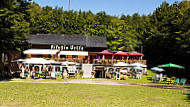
(100, 74)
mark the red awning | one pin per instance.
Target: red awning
(135, 54)
(120, 53)
(105, 53)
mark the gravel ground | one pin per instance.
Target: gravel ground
(102, 82)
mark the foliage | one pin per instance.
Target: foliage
(120, 36)
(167, 35)
(93, 72)
(81, 72)
(13, 23)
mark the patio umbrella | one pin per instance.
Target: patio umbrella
(135, 54)
(121, 64)
(157, 69)
(19, 60)
(120, 53)
(138, 68)
(105, 53)
(138, 64)
(171, 66)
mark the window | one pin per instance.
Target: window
(4, 57)
(62, 56)
(74, 56)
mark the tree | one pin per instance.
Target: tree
(167, 35)
(13, 24)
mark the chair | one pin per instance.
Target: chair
(36, 76)
(183, 80)
(60, 73)
(164, 79)
(152, 78)
(168, 81)
(22, 77)
(53, 75)
(176, 81)
(157, 79)
(137, 76)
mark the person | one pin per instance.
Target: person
(64, 74)
(32, 72)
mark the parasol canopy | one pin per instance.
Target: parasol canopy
(138, 68)
(171, 66)
(120, 53)
(121, 64)
(135, 54)
(138, 65)
(19, 60)
(105, 53)
(39, 61)
(157, 69)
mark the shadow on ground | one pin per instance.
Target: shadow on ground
(5, 78)
(188, 97)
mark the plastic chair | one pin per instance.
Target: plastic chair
(152, 78)
(183, 80)
(60, 73)
(176, 81)
(53, 75)
(157, 79)
(164, 79)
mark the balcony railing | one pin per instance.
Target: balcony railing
(98, 61)
(110, 61)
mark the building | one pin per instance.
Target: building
(81, 49)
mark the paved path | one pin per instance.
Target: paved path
(101, 82)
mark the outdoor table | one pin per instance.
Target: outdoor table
(168, 82)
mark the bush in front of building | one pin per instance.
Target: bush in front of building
(81, 73)
(123, 77)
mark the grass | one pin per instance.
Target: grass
(47, 94)
(146, 80)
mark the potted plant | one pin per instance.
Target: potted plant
(106, 61)
(93, 73)
(110, 61)
(81, 73)
(96, 61)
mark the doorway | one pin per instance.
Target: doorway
(100, 74)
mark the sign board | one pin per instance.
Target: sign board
(68, 47)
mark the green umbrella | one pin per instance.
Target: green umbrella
(171, 65)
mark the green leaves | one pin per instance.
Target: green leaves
(166, 37)
(13, 24)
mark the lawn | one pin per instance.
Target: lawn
(47, 94)
(146, 80)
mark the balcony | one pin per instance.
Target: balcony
(98, 61)
(110, 62)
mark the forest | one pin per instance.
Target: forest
(162, 36)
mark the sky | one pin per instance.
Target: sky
(111, 7)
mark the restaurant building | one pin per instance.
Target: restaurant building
(81, 49)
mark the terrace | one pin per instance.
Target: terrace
(99, 61)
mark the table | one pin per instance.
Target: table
(169, 82)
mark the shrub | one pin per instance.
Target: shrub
(93, 72)
(114, 77)
(81, 72)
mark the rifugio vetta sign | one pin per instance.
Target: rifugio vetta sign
(68, 47)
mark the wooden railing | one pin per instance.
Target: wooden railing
(109, 61)
(99, 61)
